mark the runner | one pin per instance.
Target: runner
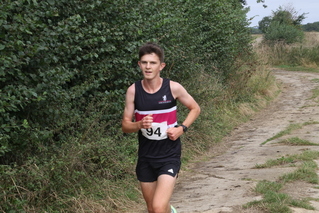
(150, 109)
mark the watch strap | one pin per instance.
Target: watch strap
(184, 128)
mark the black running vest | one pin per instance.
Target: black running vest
(154, 145)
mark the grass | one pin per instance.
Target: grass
(295, 141)
(298, 68)
(276, 201)
(315, 80)
(306, 172)
(315, 93)
(290, 159)
(276, 162)
(288, 130)
(302, 56)
(279, 203)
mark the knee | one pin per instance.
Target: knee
(150, 209)
(157, 209)
(160, 209)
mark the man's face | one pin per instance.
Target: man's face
(151, 66)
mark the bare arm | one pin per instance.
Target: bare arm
(128, 125)
(187, 100)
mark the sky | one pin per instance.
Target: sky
(300, 6)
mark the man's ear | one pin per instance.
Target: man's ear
(162, 65)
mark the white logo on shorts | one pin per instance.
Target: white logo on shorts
(171, 171)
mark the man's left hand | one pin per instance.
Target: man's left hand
(174, 133)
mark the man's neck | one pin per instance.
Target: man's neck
(152, 85)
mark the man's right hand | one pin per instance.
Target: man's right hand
(146, 122)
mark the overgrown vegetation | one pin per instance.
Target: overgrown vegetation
(297, 56)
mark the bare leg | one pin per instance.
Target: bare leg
(148, 190)
(158, 194)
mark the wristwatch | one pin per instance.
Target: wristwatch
(184, 127)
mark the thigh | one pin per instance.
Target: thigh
(157, 194)
(164, 190)
(148, 191)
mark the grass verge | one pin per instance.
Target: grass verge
(276, 201)
(288, 130)
(295, 141)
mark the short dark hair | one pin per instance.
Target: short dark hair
(149, 48)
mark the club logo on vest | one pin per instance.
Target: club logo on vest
(164, 101)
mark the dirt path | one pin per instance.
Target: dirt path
(224, 183)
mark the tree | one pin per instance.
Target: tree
(284, 25)
(283, 32)
(264, 23)
(288, 15)
(311, 27)
(255, 30)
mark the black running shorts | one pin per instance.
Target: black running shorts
(150, 171)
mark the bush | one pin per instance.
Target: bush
(281, 32)
(283, 26)
(59, 55)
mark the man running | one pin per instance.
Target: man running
(150, 110)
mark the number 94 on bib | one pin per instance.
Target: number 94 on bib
(157, 132)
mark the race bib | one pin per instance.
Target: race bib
(157, 132)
